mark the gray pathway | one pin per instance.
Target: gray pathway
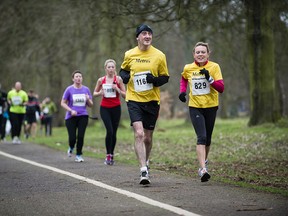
(26, 189)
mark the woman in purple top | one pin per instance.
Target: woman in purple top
(75, 100)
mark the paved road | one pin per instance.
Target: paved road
(36, 180)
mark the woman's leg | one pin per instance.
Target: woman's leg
(210, 117)
(82, 123)
(198, 122)
(71, 129)
(116, 115)
(106, 118)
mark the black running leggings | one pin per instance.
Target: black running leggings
(16, 120)
(3, 121)
(111, 119)
(203, 120)
(73, 124)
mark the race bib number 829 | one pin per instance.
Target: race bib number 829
(200, 86)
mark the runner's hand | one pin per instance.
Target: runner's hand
(150, 78)
(125, 75)
(182, 97)
(206, 73)
(126, 79)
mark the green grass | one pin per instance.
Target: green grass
(252, 157)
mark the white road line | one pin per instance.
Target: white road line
(141, 198)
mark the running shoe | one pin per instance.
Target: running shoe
(69, 152)
(144, 178)
(109, 160)
(79, 158)
(203, 173)
(15, 140)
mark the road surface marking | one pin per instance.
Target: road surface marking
(141, 198)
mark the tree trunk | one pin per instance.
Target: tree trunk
(265, 105)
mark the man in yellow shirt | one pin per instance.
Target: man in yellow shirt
(144, 70)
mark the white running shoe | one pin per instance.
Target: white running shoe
(69, 152)
(144, 178)
(79, 158)
(15, 140)
(203, 173)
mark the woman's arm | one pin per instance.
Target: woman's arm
(218, 85)
(98, 88)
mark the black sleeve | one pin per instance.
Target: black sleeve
(161, 80)
(125, 75)
(38, 109)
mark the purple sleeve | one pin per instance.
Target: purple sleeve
(89, 93)
(66, 94)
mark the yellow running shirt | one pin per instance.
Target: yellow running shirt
(202, 94)
(139, 63)
(17, 100)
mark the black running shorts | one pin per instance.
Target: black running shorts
(146, 112)
(30, 118)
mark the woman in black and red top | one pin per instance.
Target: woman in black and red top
(110, 87)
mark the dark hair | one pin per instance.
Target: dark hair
(76, 71)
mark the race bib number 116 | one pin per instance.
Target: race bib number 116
(140, 82)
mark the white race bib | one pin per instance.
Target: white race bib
(16, 100)
(109, 92)
(79, 100)
(200, 86)
(46, 110)
(140, 82)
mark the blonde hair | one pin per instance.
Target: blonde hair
(202, 44)
(110, 60)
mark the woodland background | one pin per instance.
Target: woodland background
(43, 42)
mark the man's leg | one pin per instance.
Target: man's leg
(140, 148)
(148, 141)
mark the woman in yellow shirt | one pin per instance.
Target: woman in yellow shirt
(205, 82)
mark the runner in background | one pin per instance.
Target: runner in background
(17, 99)
(3, 118)
(205, 81)
(110, 87)
(144, 70)
(48, 109)
(30, 121)
(75, 100)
